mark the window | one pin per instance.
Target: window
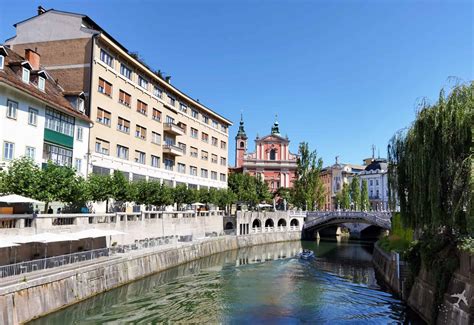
(2, 61)
(122, 152)
(59, 122)
(79, 133)
(106, 58)
(78, 164)
(125, 71)
(194, 152)
(223, 161)
(223, 145)
(8, 149)
(123, 125)
(214, 159)
(30, 152)
(371, 193)
(378, 193)
(58, 155)
(11, 109)
(125, 98)
(140, 132)
(181, 168)
(32, 116)
(140, 157)
(214, 141)
(80, 104)
(205, 137)
(195, 114)
(155, 161)
(194, 133)
(102, 146)
(183, 147)
(142, 82)
(157, 91)
(171, 100)
(204, 173)
(371, 182)
(183, 126)
(41, 83)
(214, 175)
(204, 155)
(142, 107)
(183, 108)
(169, 164)
(272, 154)
(169, 120)
(103, 116)
(156, 115)
(223, 177)
(377, 182)
(223, 128)
(215, 124)
(25, 75)
(205, 119)
(155, 137)
(193, 170)
(105, 87)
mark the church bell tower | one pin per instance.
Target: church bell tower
(240, 144)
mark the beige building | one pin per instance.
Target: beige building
(143, 126)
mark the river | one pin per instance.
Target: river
(260, 284)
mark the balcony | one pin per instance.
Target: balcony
(172, 150)
(173, 129)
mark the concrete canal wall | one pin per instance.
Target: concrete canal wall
(27, 299)
(458, 304)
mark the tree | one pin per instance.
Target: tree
(346, 197)
(430, 165)
(180, 195)
(243, 186)
(261, 189)
(355, 193)
(365, 203)
(121, 187)
(165, 197)
(22, 178)
(100, 188)
(309, 189)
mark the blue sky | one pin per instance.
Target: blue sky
(342, 75)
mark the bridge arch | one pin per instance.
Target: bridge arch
(269, 222)
(294, 222)
(282, 223)
(256, 223)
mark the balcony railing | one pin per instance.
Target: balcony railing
(173, 150)
(173, 129)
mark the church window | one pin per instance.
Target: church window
(242, 144)
(272, 154)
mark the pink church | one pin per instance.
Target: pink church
(271, 160)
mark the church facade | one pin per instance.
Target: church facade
(271, 160)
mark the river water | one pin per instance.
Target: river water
(260, 284)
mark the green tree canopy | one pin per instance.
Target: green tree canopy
(355, 193)
(364, 196)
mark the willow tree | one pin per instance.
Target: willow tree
(430, 165)
(308, 186)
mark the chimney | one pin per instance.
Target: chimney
(168, 79)
(33, 57)
(41, 10)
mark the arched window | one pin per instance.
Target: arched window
(272, 154)
(242, 144)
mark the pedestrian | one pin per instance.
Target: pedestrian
(58, 211)
(50, 210)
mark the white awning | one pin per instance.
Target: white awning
(264, 205)
(45, 238)
(14, 198)
(198, 204)
(7, 243)
(95, 233)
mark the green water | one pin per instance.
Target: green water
(262, 284)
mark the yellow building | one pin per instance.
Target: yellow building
(143, 126)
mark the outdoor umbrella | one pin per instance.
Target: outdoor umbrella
(15, 198)
(95, 233)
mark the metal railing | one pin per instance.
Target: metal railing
(51, 262)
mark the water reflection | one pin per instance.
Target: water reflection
(256, 284)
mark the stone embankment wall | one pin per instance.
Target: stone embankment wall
(28, 299)
(458, 303)
(385, 265)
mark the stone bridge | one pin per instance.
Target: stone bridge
(319, 220)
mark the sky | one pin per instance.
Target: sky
(340, 75)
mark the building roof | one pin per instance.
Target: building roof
(52, 95)
(377, 164)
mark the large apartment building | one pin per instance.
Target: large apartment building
(37, 118)
(143, 126)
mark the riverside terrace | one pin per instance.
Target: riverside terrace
(117, 233)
